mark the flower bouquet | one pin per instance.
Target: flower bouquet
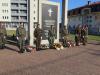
(70, 43)
(58, 46)
(30, 48)
(44, 46)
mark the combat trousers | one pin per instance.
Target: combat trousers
(2, 41)
(77, 40)
(65, 38)
(21, 44)
(84, 40)
(38, 43)
(51, 41)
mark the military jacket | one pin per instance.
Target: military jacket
(38, 33)
(21, 32)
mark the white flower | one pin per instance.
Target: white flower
(58, 49)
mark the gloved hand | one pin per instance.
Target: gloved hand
(41, 37)
(17, 38)
(63, 37)
(4, 37)
(25, 38)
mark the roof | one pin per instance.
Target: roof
(95, 7)
(92, 4)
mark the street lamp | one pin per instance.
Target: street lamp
(64, 15)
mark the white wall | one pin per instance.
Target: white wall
(66, 12)
(5, 10)
(75, 20)
(33, 8)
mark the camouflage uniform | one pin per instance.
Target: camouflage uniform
(84, 35)
(38, 35)
(78, 35)
(51, 37)
(21, 37)
(65, 36)
(86, 28)
(3, 34)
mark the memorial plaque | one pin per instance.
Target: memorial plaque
(49, 17)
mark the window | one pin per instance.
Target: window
(14, 11)
(3, 17)
(23, 11)
(14, 4)
(34, 5)
(15, 17)
(34, 18)
(23, 18)
(5, 11)
(34, 12)
(7, 17)
(23, 5)
(86, 11)
(4, 4)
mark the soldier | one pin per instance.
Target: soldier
(65, 36)
(3, 35)
(38, 36)
(78, 35)
(86, 28)
(21, 37)
(84, 34)
(51, 36)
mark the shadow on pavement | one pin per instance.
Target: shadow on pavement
(93, 52)
(9, 48)
(98, 43)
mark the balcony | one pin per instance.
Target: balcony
(14, 7)
(15, 14)
(23, 14)
(15, 1)
(23, 8)
(23, 1)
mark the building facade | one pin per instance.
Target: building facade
(13, 12)
(19, 12)
(5, 11)
(30, 13)
(88, 15)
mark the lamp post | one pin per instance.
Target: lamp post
(64, 19)
(64, 12)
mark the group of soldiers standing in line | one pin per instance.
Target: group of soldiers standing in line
(38, 34)
(80, 36)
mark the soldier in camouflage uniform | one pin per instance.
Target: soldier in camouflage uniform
(38, 36)
(3, 35)
(21, 37)
(65, 36)
(78, 35)
(51, 37)
(86, 28)
(84, 35)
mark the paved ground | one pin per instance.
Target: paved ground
(83, 60)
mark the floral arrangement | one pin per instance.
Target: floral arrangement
(70, 43)
(44, 46)
(30, 48)
(58, 46)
